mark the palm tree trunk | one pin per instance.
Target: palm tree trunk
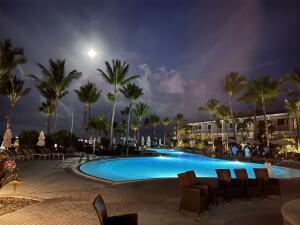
(128, 121)
(211, 134)
(112, 124)
(138, 133)
(55, 114)
(265, 119)
(10, 110)
(232, 118)
(165, 136)
(254, 122)
(49, 124)
(298, 131)
(84, 122)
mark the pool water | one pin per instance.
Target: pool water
(141, 168)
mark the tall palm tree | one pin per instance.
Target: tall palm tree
(154, 121)
(14, 90)
(141, 109)
(48, 109)
(268, 91)
(211, 108)
(132, 93)
(178, 124)
(56, 79)
(99, 124)
(165, 121)
(10, 57)
(294, 77)
(223, 113)
(251, 96)
(232, 84)
(116, 74)
(88, 94)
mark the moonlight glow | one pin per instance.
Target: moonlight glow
(92, 53)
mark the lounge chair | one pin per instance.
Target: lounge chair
(193, 198)
(128, 219)
(248, 186)
(269, 186)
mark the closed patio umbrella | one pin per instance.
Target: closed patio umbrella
(142, 141)
(6, 139)
(41, 141)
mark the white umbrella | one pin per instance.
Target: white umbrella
(41, 141)
(148, 142)
(159, 142)
(7, 139)
(142, 141)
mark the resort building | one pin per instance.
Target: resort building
(279, 123)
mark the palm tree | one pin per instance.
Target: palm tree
(132, 93)
(116, 75)
(165, 121)
(88, 94)
(211, 108)
(141, 109)
(10, 57)
(110, 99)
(56, 79)
(294, 77)
(99, 124)
(48, 109)
(268, 91)
(154, 121)
(223, 113)
(178, 123)
(251, 96)
(14, 90)
(232, 84)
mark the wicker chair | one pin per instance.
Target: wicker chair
(269, 186)
(128, 219)
(193, 197)
(225, 185)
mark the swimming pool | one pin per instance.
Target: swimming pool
(141, 168)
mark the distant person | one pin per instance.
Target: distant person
(234, 151)
(247, 152)
(268, 166)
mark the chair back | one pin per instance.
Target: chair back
(100, 209)
(192, 176)
(184, 179)
(223, 175)
(241, 174)
(261, 173)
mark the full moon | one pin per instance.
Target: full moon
(92, 53)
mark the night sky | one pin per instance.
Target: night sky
(180, 48)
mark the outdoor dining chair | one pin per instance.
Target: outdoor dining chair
(128, 219)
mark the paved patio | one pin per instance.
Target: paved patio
(67, 199)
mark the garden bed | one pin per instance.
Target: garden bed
(10, 204)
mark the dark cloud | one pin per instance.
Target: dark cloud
(181, 48)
